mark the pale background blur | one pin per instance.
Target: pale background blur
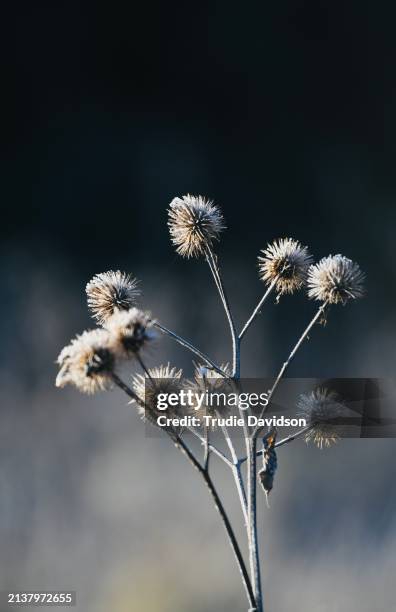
(285, 116)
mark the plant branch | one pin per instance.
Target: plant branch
(290, 359)
(120, 383)
(292, 437)
(179, 443)
(207, 449)
(214, 268)
(236, 472)
(256, 311)
(252, 513)
(144, 368)
(190, 347)
(213, 448)
(227, 525)
(286, 440)
(295, 349)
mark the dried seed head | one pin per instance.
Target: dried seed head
(111, 292)
(209, 380)
(270, 463)
(130, 331)
(163, 379)
(87, 363)
(335, 279)
(64, 360)
(322, 410)
(286, 262)
(194, 223)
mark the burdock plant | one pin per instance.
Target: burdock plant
(91, 361)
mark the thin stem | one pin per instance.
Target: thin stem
(248, 517)
(286, 440)
(252, 512)
(292, 437)
(144, 368)
(212, 447)
(179, 443)
(242, 413)
(227, 525)
(120, 383)
(290, 359)
(211, 364)
(229, 444)
(295, 349)
(235, 467)
(256, 311)
(214, 268)
(207, 449)
(236, 472)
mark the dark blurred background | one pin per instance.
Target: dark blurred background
(284, 114)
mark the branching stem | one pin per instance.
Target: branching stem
(236, 472)
(227, 525)
(248, 503)
(204, 472)
(212, 447)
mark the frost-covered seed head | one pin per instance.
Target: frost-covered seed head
(111, 292)
(286, 262)
(321, 408)
(87, 362)
(164, 380)
(335, 280)
(194, 223)
(130, 331)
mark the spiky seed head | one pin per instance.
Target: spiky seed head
(163, 379)
(209, 380)
(64, 360)
(194, 223)
(285, 262)
(111, 292)
(322, 409)
(335, 280)
(87, 362)
(130, 331)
